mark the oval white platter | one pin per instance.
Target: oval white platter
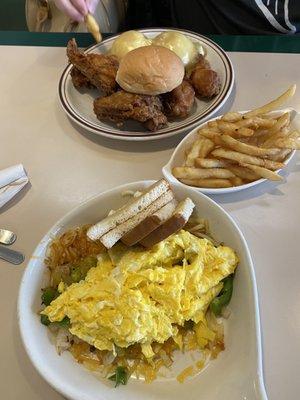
(79, 104)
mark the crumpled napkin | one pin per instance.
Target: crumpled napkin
(12, 180)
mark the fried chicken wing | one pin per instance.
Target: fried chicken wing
(121, 106)
(99, 69)
(79, 80)
(205, 81)
(179, 102)
(202, 63)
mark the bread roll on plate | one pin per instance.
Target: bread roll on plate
(150, 70)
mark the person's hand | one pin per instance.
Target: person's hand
(77, 9)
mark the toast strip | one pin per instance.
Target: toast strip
(149, 224)
(111, 237)
(177, 221)
(129, 210)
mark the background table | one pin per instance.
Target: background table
(67, 165)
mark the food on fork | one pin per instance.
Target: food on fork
(239, 148)
(179, 102)
(121, 106)
(99, 69)
(150, 70)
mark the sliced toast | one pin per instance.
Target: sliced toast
(172, 225)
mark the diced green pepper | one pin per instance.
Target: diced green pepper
(76, 275)
(120, 377)
(45, 320)
(48, 295)
(64, 323)
(224, 296)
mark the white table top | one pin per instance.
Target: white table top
(66, 166)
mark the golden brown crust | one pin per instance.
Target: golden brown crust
(122, 106)
(179, 102)
(206, 82)
(99, 69)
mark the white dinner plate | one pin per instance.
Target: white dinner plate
(179, 156)
(236, 373)
(79, 104)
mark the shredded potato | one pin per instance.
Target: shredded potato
(71, 246)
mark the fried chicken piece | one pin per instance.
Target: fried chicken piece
(99, 69)
(122, 106)
(179, 102)
(206, 81)
(202, 63)
(79, 80)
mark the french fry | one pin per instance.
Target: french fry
(243, 132)
(291, 142)
(198, 173)
(263, 123)
(210, 163)
(212, 124)
(234, 144)
(264, 172)
(193, 153)
(93, 27)
(208, 183)
(232, 117)
(236, 181)
(243, 173)
(273, 104)
(282, 155)
(211, 135)
(233, 129)
(279, 124)
(226, 126)
(267, 141)
(200, 148)
(245, 158)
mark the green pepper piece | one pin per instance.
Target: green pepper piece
(48, 295)
(120, 376)
(189, 324)
(76, 275)
(64, 323)
(224, 296)
(45, 320)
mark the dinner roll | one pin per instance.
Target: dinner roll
(150, 70)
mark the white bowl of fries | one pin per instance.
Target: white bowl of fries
(237, 150)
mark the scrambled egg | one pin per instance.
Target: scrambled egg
(142, 296)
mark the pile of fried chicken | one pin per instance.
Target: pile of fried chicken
(116, 105)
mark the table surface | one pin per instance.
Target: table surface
(67, 165)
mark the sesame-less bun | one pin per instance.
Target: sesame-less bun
(150, 70)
